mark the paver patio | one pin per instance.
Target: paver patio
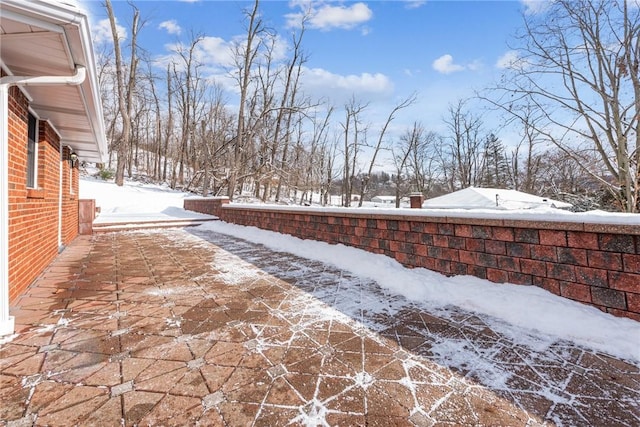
(190, 327)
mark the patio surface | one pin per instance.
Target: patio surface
(190, 327)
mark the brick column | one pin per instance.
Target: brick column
(86, 215)
(416, 200)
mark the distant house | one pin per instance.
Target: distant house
(50, 120)
(491, 198)
(385, 200)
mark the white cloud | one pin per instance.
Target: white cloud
(507, 59)
(339, 88)
(341, 17)
(445, 65)
(532, 7)
(512, 60)
(326, 17)
(216, 50)
(475, 65)
(101, 32)
(212, 52)
(280, 50)
(414, 4)
(171, 26)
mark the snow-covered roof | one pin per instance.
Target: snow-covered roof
(491, 198)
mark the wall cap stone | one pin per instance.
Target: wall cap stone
(620, 223)
(206, 198)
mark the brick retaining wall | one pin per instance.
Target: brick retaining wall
(597, 264)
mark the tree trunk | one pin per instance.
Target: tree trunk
(124, 93)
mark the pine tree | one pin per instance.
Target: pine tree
(496, 167)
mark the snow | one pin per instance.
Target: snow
(544, 213)
(136, 202)
(491, 198)
(528, 315)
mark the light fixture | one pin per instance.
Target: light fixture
(73, 158)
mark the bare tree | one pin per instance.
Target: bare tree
(320, 169)
(264, 161)
(320, 154)
(289, 105)
(140, 112)
(463, 156)
(157, 144)
(215, 139)
(420, 163)
(328, 160)
(245, 55)
(381, 135)
(108, 89)
(401, 154)
(578, 65)
(190, 90)
(168, 132)
(125, 89)
(352, 134)
(525, 158)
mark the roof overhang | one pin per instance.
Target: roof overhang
(52, 38)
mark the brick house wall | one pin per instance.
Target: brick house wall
(34, 213)
(595, 264)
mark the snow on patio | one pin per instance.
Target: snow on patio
(238, 325)
(195, 327)
(530, 315)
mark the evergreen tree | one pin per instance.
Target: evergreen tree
(496, 166)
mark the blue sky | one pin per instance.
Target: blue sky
(379, 51)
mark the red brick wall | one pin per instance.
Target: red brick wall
(33, 213)
(595, 264)
(206, 205)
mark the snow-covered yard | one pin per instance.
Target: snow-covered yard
(135, 202)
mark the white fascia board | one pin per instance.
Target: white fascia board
(45, 12)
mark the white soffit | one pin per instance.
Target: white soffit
(49, 38)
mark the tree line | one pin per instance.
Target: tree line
(571, 95)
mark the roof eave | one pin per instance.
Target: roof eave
(74, 23)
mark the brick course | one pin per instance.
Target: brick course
(589, 263)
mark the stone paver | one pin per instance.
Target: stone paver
(189, 327)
